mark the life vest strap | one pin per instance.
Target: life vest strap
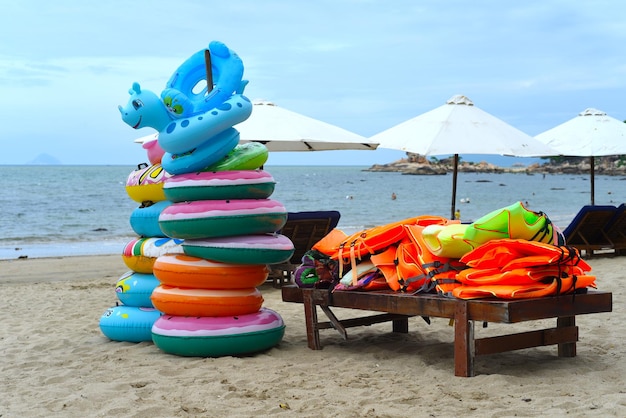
(431, 270)
(355, 279)
(545, 230)
(340, 258)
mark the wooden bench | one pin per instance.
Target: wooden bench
(398, 307)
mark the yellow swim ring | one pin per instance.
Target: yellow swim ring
(145, 184)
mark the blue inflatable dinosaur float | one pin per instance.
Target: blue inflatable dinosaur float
(195, 122)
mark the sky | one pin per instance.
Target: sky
(365, 66)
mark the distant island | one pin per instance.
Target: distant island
(420, 165)
(44, 159)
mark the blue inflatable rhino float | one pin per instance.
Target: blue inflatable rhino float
(194, 122)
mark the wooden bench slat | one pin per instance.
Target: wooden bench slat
(529, 339)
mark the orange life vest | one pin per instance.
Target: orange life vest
(386, 263)
(557, 286)
(516, 276)
(436, 272)
(350, 249)
(514, 253)
(410, 267)
(517, 268)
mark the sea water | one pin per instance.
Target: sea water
(84, 210)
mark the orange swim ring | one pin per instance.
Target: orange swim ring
(179, 301)
(181, 270)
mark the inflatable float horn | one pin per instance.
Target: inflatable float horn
(242, 86)
(209, 71)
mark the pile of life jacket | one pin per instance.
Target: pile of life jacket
(509, 253)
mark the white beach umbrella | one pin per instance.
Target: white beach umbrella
(590, 134)
(283, 130)
(459, 127)
(147, 138)
(280, 129)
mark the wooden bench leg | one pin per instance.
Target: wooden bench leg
(310, 319)
(463, 342)
(567, 349)
(400, 325)
(335, 322)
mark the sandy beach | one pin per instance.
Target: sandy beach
(57, 363)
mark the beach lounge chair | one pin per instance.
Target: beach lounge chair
(587, 230)
(304, 229)
(616, 230)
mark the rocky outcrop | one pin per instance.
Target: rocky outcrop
(409, 168)
(419, 165)
(424, 167)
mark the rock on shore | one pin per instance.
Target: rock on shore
(420, 165)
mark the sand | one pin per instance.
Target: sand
(55, 362)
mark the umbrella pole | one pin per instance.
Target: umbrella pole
(209, 70)
(592, 164)
(454, 175)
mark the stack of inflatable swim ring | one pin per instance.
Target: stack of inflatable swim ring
(221, 209)
(132, 320)
(209, 294)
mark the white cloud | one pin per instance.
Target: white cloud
(363, 65)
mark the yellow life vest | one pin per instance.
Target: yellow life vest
(514, 221)
(448, 240)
